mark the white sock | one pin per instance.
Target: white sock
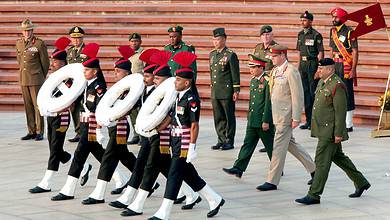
(100, 189)
(70, 186)
(127, 196)
(119, 177)
(165, 209)
(211, 196)
(45, 182)
(191, 195)
(348, 119)
(85, 168)
(138, 204)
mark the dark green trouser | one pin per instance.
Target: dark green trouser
(133, 117)
(224, 120)
(252, 136)
(308, 70)
(326, 153)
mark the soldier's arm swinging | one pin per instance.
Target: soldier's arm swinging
(340, 111)
(194, 132)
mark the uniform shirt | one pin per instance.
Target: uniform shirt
(262, 52)
(224, 73)
(259, 103)
(310, 43)
(92, 95)
(73, 54)
(343, 33)
(329, 110)
(186, 110)
(137, 66)
(33, 61)
(181, 47)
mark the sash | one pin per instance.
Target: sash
(165, 135)
(92, 124)
(64, 124)
(121, 131)
(347, 57)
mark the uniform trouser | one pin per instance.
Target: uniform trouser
(252, 136)
(56, 143)
(113, 154)
(224, 120)
(157, 162)
(339, 69)
(35, 123)
(133, 117)
(75, 112)
(180, 171)
(82, 151)
(142, 158)
(283, 142)
(326, 153)
(308, 70)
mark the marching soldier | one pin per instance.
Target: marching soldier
(311, 49)
(33, 60)
(225, 89)
(287, 103)
(259, 125)
(184, 133)
(344, 51)
(74, 55)
(328, 125)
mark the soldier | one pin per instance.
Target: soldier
(33, 61)
(262, 49)
(310, 49)
(137, 66)
(184, 133)
(328, 125)
(225, 89)
(74, 55)
(259, 125)
(344, 51)
(287, 103)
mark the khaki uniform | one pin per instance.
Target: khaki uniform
(287, 105)
(261, 52)
(33, 61)
(137, 66)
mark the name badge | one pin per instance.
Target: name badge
(180, 110)
(91, 98)
(309, 42)
(342, 38)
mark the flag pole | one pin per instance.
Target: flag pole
(384, 101)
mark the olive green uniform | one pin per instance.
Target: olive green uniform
(225, 80)
(328, 121)
(181, 47)
(33, 61)
(262, 52)
(309, 45)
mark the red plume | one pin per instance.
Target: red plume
(161, 57)
(145, 56)
(61, 43)
(184, 58)
(91, 50)
(126, 51)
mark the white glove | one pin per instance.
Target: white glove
(111, 124)
(100, 136)
(147, 133)
(51, 114)
(191, 155)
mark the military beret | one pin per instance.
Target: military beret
(307, 15)
(76, 31)
(256, 61)
(135, 36)
(325, 62)
(278, 49)
(177, 28)
(219, 32)
(265, 29)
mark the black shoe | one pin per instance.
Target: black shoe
(91, 201)
(359, 192)
(267, 187)
(190, 206)
(217, 146)
(154, 218)
(134, 140)
(233, 171)
(84, 179)
(60, 197)
(129, 212)
(262, 150)
(118, 190)
(227, 147)
(117, 204)
(155, 187)
(28, 137)
(311, 180)
(350, 129)
(307, 200)
(305, 126)
(38, 189)
(39, 137)
(180, 200)
(216, 210)
(75, 139)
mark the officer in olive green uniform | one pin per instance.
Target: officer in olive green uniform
(225, 87)
(33, 60)
(74, 55)
(328, 125)
(311, 48)
(262, 49)
(259, 123)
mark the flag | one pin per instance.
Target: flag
(369, 19)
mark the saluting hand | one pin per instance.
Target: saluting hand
(338, 139)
